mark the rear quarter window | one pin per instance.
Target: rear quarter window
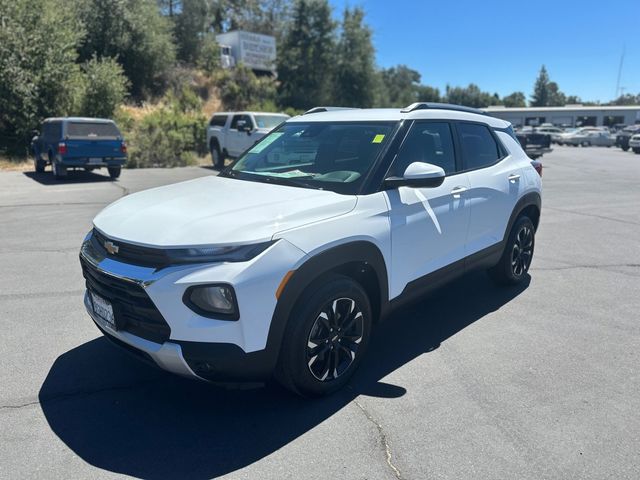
(218, 121)
(92, 130)
(479, 148)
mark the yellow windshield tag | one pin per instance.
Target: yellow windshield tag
(378, 138)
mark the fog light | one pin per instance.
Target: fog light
(215, 301)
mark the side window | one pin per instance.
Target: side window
(428, 142)
(218, 120)
(237, 118)
(46, 131)
(56, 131)
(479, 148)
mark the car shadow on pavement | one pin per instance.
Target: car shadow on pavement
(123, 416)
(73, 176)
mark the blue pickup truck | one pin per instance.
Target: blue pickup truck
(73, 142)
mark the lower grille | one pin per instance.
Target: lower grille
(133, 309)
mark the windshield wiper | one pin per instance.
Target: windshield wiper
(288, 182)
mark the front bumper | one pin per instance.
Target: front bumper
(197, 346)
(167, 355)
(634, 143)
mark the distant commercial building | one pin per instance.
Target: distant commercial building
(569, 115)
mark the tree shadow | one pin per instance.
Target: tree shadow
(126, 417)
(73, 176)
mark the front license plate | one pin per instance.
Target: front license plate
(93, 161)
(103, 309)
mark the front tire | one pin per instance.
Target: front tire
(38, 164)
(636, 150)
(625, 149)
(216, 156)
(326, 337)
(518, 253)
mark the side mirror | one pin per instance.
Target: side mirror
(243, 126)
(418, 175)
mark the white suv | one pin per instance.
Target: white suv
(283, 264)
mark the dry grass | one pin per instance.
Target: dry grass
(15, 164)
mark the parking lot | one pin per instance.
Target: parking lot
(476, 381)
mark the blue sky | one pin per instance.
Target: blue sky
(500, 45)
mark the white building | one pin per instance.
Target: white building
(569, 115)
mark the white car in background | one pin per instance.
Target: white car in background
(587, 138)
(229, 134)
(634, 143)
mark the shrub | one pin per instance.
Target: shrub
(167, 137)
(240, 88)
(105, 87)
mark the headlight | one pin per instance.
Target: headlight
(215, 301)
(240, 253)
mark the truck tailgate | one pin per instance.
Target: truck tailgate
(99, 148)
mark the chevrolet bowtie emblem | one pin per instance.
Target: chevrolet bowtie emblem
(111, 247)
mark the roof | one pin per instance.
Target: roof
(566, 108)
(396, 114)
(79, 119)
(280, 114)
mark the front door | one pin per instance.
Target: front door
(428, 225)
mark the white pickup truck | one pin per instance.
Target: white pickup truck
(229, 134)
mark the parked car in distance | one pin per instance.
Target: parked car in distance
(574, 131)
(534, 143)
(229, 134)
(587, 138)
(554, 132)
(283, 264)
(634, 143)
(75, 142)
(624, 135)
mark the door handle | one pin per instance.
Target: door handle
(513, 178)
(457, 191)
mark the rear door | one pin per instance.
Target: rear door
(495, 184)
(93, 140)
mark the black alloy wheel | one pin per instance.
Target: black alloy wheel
(334, 339)
(522, 251)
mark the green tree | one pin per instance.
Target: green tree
(305, 59)
(241, 89)
(516, 99)
(105, 87)
(573, 100)
(355, 67)
(39, 76)
(627, 99)
(556, 97)
(425, 93)
(189, 31)
(135, 33)
(542, 92)
(399, 85)
(471, 96)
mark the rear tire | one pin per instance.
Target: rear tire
(518, 253)
(38, 164)
(625, 149)
(326, 337)
(114, 172)
(59, 171)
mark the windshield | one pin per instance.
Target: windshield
(92, 130)
(333, 156)
(269, 121)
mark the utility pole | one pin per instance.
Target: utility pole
(620, 72)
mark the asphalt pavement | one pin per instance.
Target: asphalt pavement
(474, 382)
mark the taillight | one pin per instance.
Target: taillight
(538, 166)
(123, 147)
(62, 149)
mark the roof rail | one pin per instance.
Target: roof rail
(442, 106)
(327, 109)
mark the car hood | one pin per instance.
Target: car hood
(216, 211)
